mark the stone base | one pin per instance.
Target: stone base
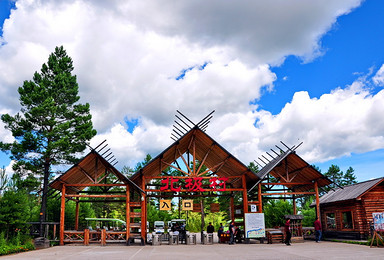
(41, 242)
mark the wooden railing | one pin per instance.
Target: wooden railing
(88, 236)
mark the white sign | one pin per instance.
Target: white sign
(254, 225)
(253, 208)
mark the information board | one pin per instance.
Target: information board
(378, 221)
(254, 225)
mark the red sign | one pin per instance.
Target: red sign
(193, 184)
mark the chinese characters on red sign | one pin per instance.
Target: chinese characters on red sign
(193, 184)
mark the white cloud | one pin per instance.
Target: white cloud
(378, 79)
(127, 55)
(337, 124)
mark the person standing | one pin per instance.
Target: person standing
(210, 228)
(317, 225)
(288, 234)
(220, 231)
(232, 233)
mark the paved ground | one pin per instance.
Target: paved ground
(307, 250)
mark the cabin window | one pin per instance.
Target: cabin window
(347, 222)
(331, 221)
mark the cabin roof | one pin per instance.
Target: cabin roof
(349, 192)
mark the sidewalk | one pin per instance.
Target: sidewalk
(306, 250)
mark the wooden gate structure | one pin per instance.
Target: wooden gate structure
(93, 171)
(207, 170)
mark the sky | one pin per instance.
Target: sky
(275, 70)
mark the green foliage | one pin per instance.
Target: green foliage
(51, 127)
(15, 245)
(309, 214)
(51, 124)
(3, 180)
(253, 167)
(13, 211)
(340, 178)
(274, 211)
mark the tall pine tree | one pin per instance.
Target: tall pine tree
(51, 127)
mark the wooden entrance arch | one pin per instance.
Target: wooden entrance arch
(187, 155)
(192, 149)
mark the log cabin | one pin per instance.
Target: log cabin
(346, 212)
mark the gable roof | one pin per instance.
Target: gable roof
(349, 192)
(88, 170)
(290, 165)
(215, 157)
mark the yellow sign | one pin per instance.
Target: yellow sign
(165, 204)
(187, 204)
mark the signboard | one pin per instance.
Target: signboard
(175, 184)
(253, 208)
(165, 204)
(215, 207)
(196, 207)
(254, 225)
(187, 204)
(378, 221)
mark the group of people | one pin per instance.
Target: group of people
(181, 231)
(234, 232)
(288, 233)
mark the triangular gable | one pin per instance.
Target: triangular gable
(290, 167)
(89, 170)
(204, 149)
(373, 186)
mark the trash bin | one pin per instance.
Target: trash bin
(191, 239)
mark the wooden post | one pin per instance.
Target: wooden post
(143, 211)
(86, 237)
(103, 237)
(294, 205)
(54, 231)
(260, 209)
(317, 200)
(127, 213)
(245, 195)
(77, 215)
(62, 215)
(202, 220)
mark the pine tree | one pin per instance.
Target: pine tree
(51, 127)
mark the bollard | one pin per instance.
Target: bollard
(156, 239)
(191, 239)
(208, 239)
(173, 239)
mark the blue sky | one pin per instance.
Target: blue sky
(302, 72)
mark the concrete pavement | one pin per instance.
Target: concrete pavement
(306, 250)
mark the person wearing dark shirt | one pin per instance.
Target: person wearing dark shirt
(287, 229)
(317, 225)
(210, 228)
(232, 233)
(220, 231)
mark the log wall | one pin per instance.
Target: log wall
(361, 209)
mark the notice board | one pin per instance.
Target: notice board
(378, 221)
(254, 225)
